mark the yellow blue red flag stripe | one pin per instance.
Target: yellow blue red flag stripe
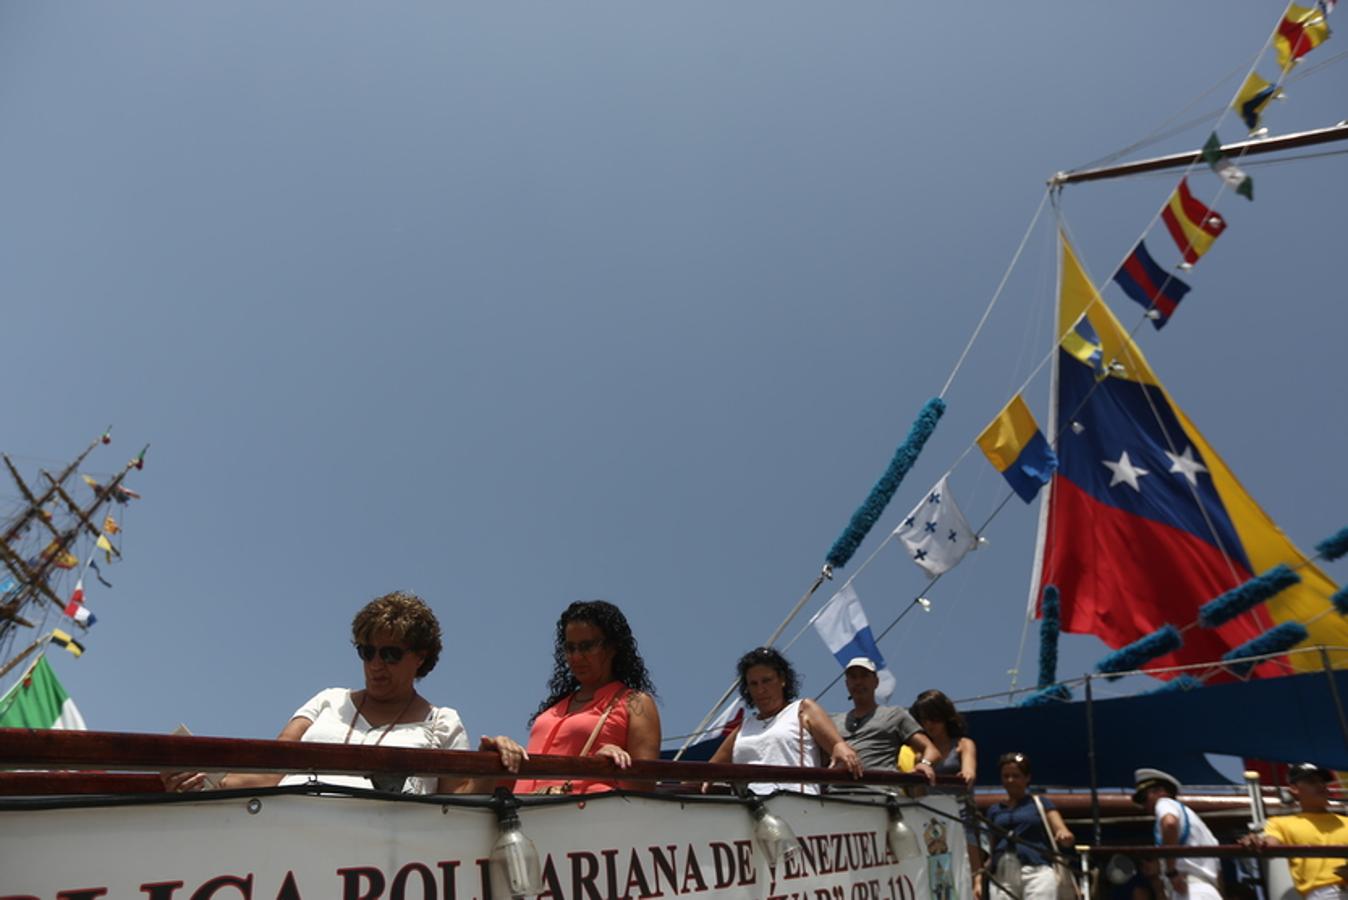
(1145, 523)
(1016, 447)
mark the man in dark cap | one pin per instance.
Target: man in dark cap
(1314, 826)
(1178, 825)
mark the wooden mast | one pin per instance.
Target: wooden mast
(32, 580)
(1236, 151)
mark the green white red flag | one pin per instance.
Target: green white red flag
(39, 701)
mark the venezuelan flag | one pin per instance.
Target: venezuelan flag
(1144, 521)
(1300, 31)
(1193, 226)
(1015, 446)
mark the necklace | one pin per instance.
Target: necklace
(387, 728)
(855, 721)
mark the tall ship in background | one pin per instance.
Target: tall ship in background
(56, 527)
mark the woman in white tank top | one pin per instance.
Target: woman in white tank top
(781, 731)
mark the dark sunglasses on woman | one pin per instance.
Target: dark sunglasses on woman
(389, 654)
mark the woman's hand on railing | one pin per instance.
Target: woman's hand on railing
(511, 753)
(621, 758)
(183, 782)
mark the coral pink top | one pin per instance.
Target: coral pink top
(563, 733)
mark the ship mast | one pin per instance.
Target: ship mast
(30, 574)
(1254, 147)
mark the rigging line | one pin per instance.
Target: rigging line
(1253, 163)
(861, 568)
(996, 294)
(1062, 222)
(1156, 134)
(1147, 394)
(1282, 74)
(1262, 163)
(1020, 650)
(1192, 485)
(824, 574)
(1165, 432)
(931, 583)
(1209, 666)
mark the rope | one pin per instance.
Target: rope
(995, 296)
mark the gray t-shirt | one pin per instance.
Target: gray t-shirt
(876, 738)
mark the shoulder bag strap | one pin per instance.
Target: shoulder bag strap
(1048, 830)
(800, 738)
(603, 717)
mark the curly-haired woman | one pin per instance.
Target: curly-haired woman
(784, 731)
(398, 641)
(600, 698)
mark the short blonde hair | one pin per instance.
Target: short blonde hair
(408, 618)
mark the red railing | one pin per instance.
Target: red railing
(107, 752)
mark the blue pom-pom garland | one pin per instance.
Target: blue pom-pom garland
(1340, 601)
(1275, 640)
(868, 513)
(1334, 546)
(1163, 640)
(1259, 589)
(1180, 683)
(1054, 693)
(1050, 624)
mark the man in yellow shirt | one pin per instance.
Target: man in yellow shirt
(1315, 825)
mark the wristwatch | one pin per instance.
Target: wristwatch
(925, 762)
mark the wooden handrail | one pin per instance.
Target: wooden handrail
(107, 751)
(1221, 851)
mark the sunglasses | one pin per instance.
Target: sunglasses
(390, 654)
(582, 648)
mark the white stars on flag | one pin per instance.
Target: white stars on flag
(1124, 472)
(1185, 464)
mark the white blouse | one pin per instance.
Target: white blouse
(332, 714)
(779, 740)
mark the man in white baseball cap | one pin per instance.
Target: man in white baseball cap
(876, 732)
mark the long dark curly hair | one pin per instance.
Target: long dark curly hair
(766, 656)
(628, 666)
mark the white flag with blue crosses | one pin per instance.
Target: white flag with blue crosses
(935, 534)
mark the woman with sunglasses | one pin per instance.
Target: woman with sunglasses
(397, 639)
(1023, 849)
(783, 731)
(600, 699)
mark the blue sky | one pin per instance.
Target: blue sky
(517, 304)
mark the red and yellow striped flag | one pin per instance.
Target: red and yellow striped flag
(1300, 31)
(1193, 226)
